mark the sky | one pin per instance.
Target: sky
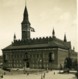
(44, 15)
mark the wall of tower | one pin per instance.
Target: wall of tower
(25, 35)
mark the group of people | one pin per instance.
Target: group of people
(1, 76)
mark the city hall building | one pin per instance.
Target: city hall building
(46, 52)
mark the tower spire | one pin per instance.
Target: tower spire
(25, 15)
(25, 24)
(25, 2)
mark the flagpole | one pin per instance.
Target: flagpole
(25, 3)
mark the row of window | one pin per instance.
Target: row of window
(15, 65)
(18, 61)
(33, 61)
(33, 65)
(51, 56)
(22, 56)
(39, 65)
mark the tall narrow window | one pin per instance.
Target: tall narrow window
(51, 57)
(26, 55)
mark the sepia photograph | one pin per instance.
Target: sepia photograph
(38, 39)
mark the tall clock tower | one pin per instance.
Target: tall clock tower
(25, 25)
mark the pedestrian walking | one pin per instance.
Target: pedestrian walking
(44, 75)
(54, 73)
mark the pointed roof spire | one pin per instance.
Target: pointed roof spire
(53, 33)
(25, 12)
(65, 39)
(25, 15)
(25, 2)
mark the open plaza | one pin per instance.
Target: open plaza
(39, 74)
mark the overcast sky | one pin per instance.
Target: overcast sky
(44, 15)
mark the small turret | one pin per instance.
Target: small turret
(53, 33)
(14, 37)
(65, 39)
